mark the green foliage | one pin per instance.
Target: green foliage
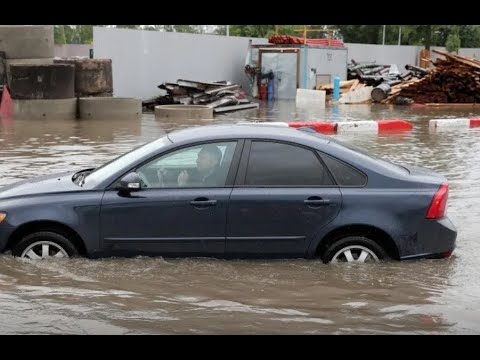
(423, 35)
(453, 42)
(251, 30)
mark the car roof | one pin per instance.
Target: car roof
(257, 130)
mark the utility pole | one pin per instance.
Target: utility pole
(399, 35)
(383, 41)
(228, 30)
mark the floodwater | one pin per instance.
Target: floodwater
(208, 296)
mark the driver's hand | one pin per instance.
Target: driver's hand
(182, 178)
(160, 175)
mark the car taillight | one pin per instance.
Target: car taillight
(439, 203)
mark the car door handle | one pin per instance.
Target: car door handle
(202, 202)
(314, 202)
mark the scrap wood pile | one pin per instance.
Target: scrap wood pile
(378, 79)
(455, 79)
(373, 74)
(220, 96)
(345, 86)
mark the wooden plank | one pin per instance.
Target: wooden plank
(235, 107)
(228, 87)
(458, 58)
(197, 84)
(354, 85)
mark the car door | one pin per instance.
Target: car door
(167, 218)
(282, 197)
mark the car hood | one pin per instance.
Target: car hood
(55, 183)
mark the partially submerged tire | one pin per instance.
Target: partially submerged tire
(44, 245)
(354, 249)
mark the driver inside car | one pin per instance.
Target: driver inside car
(205, 174)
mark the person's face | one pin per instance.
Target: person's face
(205, 161)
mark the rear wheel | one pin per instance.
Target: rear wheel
(354, 249)
(44, 245)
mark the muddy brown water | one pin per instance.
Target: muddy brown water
(208, 296)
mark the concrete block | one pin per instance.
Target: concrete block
(27, 41)
(109, 108)
(183, 112)
(306, 97)
(52, 109)
(54, 81)
(357, 96)
(93, 77)
(3, 68)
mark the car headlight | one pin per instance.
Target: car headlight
(2, 216)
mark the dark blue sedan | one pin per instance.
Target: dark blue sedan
(233, 191)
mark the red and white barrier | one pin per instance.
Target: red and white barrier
(323, 127)
(367, 126)
(457, 123)
(343, 127)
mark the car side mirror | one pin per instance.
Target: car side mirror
(130, 182)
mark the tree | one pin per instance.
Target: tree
(59, 35)
(221, 30)
(453, 41)
(134, 27)
(73, 34)
(181, 28)
(251, 30)
(364, 34)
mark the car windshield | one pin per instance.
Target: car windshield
(103, 172)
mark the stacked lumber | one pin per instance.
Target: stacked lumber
(455, 79)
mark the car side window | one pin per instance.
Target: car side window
(280, 164)
(204, 165)
(345, 175)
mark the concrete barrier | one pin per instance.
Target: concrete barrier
(306, 97)
(93, 77)
(44, 61)
(109, 108)
(183, 112)
(50, 81)
(27, 41)
(3, 68)
(52, 109)
(323, 127)
(9, 62)
(368, 126)
(457, 123)
(265, 123)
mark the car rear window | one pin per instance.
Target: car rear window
(344, 174)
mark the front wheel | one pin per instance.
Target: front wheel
(44, 245)
(354, 249)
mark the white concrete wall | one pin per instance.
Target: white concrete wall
(142, 60)
(384, 54)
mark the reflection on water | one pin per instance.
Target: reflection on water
(203, 296)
